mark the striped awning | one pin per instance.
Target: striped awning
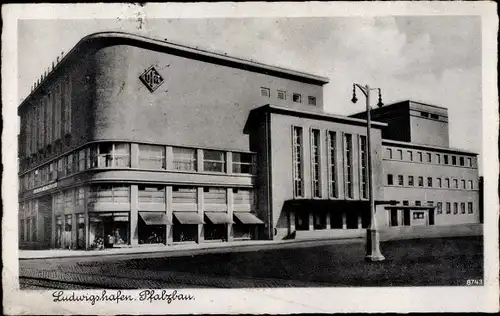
(248, 218)
(218, 218)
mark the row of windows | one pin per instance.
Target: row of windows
(431, 115)
(47, 119)
(282, 95)
(430, 183)
(117, 155)
(146, 193)
(427, 157)
(448, 207)
(298, 163)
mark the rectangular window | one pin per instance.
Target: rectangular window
(434, 116)
(424, 114)
(438, 158)
(67, 105)
(470, 209)
(68, 163)
(429, 157)
(400, 180)
(455, 208)
(439, 208)
(447, 181)
(348, 162)
(405, 203)
(420, 181)
(462, 208)
(110, 194)
(184, 158)
(445, 159)
(471, 185)
(113, 155)
(429, 182)
(281, 95)
(68, 199)
(80, 196)
(455, 183)
(411, 181)
(418, 203)
(448, 208)
(311, 100)
(469, 160)
(463, 184)
(315, 161)
(332, 164)
(388, 153)
(364, 167)
(151, 157)
(400, 154)
(81, 160)
(152, 194)
(214, 161)
(410, 155)
(420, 156)
(298, 178)
(297, 98)
(462, 161)
(390, 179)
(265, 92)
(439, 184)
(454, 160)
(243, 163)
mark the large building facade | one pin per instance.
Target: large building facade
(130, 141)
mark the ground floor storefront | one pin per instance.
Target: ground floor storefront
(122, 215)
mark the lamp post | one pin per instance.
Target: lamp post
(372, 236)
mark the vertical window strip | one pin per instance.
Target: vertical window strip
(297, 162)
(332, 163)
(364, 167)
(315, 159)
(348, 163)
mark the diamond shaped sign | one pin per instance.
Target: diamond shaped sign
(151, 79)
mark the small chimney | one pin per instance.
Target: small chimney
(52, 65)
(57, 59)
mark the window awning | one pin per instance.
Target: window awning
(188, 218)
(218, 218)
(155, 218)
(248, 218)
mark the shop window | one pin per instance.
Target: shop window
(151, 157)
(59, 231)
(302, 220)
(108, 230)
(214, 161)
(184, 158)
(336, 220)
(243, 163)
(152, 194)
(215, 231)
(241, 231)
(352, 220)
(68, 227)
(320, 221)
(80, 231)
(183, 233)
(151, 227)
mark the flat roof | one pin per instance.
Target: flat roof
(398, 104)
(192, 52)
(421, 146)
(317, 115)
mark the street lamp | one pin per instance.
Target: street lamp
(372, 236)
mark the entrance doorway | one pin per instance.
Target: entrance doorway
(394, 217)
(302, 221)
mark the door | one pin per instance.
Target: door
(47, 230)
(394, 217)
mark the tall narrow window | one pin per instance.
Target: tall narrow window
(463, 184)
(298, 178)
(447, 181)
(390, 180)
(462, 161)
(455, 183)
(420, 156)
(429, 182)
(454, 160)
(411, 181)
(420, 181)
(315, 160)
(438, 158)
(455, 208)
(332, 163)
(67, 106)
(439, 207)
(410, 155)
(469, 161)
(462, 208)
(364, 167)
(470, 209)
(400, 180)
(471, 185)
(400, 154)
(439, 184)
(388, 153)
(429, 157)
(448, 208)
(445, 159)
(348, 163)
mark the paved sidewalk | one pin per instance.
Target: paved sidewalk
(180, 250)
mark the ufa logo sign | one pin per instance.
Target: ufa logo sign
(151, 79)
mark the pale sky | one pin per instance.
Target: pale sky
(431, 59)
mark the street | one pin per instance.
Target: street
(417, 262)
